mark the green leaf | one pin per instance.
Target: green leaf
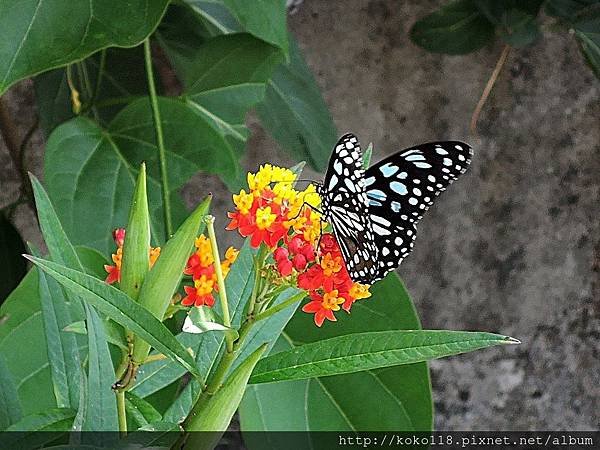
(14, 266)
(119, 307)
(265, 19)
(35, 430)
(60, 248)
(101, 409)
(21, 318)
(587, 31)
(163, 280)
(224, 77)
(156, 375)
(456, 28)
(215, 15)
(368, 351)
(10, 406)
(113, 331)
(63, 350)
(119, 85)
(215, 413)
(296, 115)
(293, 110)
(163, 435)
(104, 164)
(136, 262)
(366, 162)
(78, 29)
(394, 398)
(516, 19)
(140, 410)
(53, 419)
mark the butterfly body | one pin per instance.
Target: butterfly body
(374, 212)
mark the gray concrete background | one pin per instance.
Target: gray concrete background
(513, 247)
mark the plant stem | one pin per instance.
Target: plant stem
(162, 157)
(121, 412)
(210, 224)
(153, 358)
(488, 89)
(88, 90)
(99, 77)
(75, 101)
(258, 263)
(281, 306)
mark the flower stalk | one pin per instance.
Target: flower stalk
(210, 225)
(162, 157)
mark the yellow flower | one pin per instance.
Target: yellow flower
(284, 192)
(264, 217)
(359, 291)
(259, 181)
(330, 264)
(204, 285)
(332, 301)
(204, 250)
(243, 201)
(117, 257)
(154, 254)
(282, 174)
(230, 256)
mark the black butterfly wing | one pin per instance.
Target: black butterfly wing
(402, 187)
(345, 208)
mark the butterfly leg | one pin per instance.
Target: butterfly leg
(318, 248)
(314, 208)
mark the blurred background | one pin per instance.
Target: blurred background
(513, 247)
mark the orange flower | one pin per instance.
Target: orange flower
(201, 267)
(323, 306)
(329, 283)
(201, 293)
(114, 272)
(270, 209)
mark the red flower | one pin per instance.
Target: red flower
(263, 223)
(114, 274)
(200, 294)
(323, 306)
(328, 244)
(119, 236)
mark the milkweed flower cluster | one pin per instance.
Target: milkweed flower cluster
(114, 271)
(201, 266)
(273, 213)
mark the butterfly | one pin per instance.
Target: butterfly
(374, 213)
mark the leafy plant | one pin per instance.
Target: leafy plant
(223, 355)
(170, 337)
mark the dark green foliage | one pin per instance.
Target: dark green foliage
(464, 26)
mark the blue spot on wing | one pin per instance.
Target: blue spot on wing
(395, 206)
(376, 194)
(388, 169)
(398, 188)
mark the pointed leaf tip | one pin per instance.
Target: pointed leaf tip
(511, 340)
